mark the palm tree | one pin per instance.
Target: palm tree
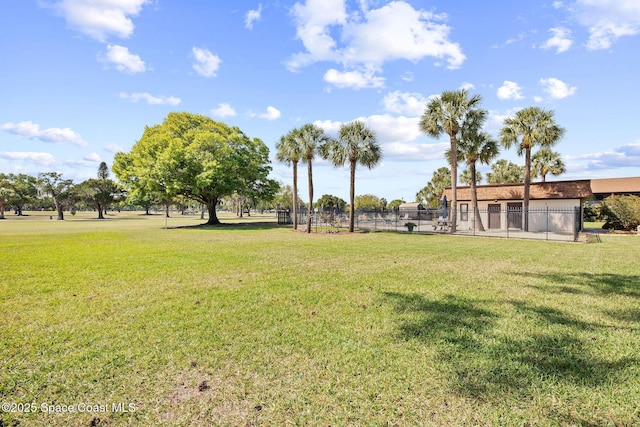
(431, 193)
(475, 146)
(505, 172)
(357, 145)
(288, 151)
(310, 138)
(449, 113)
(545, 161)
(530, 127)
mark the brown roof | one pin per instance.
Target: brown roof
(616, 185)
(539, 190)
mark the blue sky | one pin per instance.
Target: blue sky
(80, 79)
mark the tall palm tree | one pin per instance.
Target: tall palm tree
(545, 161)
(449, 114)
(310, 138)
(475, 146)
(532, 126)
(288, 151)
(357, 145)
(505, 172)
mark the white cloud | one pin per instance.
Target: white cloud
(89, 160)
(123, 59)
(113, 148)
(353, 79)
(467, 86)
(623, 156)
(102, 18)
(252, 16)
(151, 99)
(556, 88)
(408, 76)
(396, 134)
(557, 4)
(387, 128)
(495, 120)
(560, 41)
(223, 110)
(390, 128)
(367, 38)
(313, 23)
(272, 113)
(412, 104)
(510, 90)
(607, 20)
(415, 152)
(32, 130)
(331, 128)
(206, 63)
(41, 159)
(398, 31)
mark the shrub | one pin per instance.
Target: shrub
(592, 212)
(621, 212)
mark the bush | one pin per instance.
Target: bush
(592, 212)
(621, 212)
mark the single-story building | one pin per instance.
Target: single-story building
(554, 206)
(603, 188)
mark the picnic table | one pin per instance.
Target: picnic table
(442, 224)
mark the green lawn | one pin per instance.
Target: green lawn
(258, 325)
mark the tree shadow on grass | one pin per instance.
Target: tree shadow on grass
(486, 363)
(603, 283)
(454, 320)
(243, 226)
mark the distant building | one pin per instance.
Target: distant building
(413, 211)
(550, 203)
(603, 188)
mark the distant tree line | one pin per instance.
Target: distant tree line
(50, 190)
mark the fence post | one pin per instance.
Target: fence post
(547, 237)
(507, 220)
(576, 221)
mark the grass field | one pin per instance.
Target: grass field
(125, 322)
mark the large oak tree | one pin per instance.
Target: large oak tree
(196, 157)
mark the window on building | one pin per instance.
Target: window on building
(464, 212)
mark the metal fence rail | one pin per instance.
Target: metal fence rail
(543, 224)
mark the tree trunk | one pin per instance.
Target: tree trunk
(352, 197)
(527, 185)
(60, 209)
(474, 197)
(2, 211)
(213, 217)
(166, 209)
(295, 195)
(454, 181)
(146, 210)
(99, 208)
(310, 211)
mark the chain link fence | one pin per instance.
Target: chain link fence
(561, 224)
